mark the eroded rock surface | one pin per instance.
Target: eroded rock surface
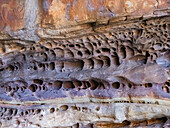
(80, 69)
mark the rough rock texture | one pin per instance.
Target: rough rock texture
(12, 13)
(84, 63)
(72, 12)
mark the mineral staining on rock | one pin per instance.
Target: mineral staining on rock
(12, 14)
(62, 13)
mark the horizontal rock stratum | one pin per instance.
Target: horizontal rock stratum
(84, 63)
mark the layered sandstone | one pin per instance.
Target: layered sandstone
(84, 63)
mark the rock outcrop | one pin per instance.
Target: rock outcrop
(84, 63)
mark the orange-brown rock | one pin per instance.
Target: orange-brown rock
(11, 14)
(59, 13)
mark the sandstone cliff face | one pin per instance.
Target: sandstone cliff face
(32, 20)
(84, 63)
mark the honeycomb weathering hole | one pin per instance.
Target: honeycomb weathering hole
(116, 85)
(11, 68)
(38, 81)
(57, 84)
(33, 87)
(68, 85)
(94, 84)
(63, 107)
(52, 110)
(52, 65)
